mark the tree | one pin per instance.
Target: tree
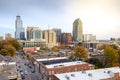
(15, 44)
(80, 53)
(111, 56)
(56, 49)
(96, 62)
(8, 50)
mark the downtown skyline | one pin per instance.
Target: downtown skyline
(99, 17)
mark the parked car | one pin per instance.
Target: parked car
(32, 70)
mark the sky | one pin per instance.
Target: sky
(99, 17)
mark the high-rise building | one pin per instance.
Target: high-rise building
(8, 36)
(58, 34)
(66, 38)
(19, 30)
(50, 38)
(34, 33)
(77, 30)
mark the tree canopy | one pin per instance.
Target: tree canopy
(111, 56)
(79, 53)
(8, 47)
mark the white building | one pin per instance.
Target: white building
(89, 37)
(97, 74)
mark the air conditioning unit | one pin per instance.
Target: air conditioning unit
(73, 75)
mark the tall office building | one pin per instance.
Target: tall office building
(19, 30)
(77, 30)
(34, 33)
(58, 34)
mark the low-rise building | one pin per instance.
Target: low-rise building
(50, 66)
(97, 74)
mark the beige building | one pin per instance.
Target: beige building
(89, 37)
(50, 38)
(34, 34)
(1, 38)
(77, 30)
(8, 36)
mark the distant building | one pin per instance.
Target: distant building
(19, 30)
(66, 38)
(58, 34)
(8, 36)
(77, 30)
(34, 34)
(50, 38)
(89, 37)
(50, 66)
(112, 73)
(1, 38)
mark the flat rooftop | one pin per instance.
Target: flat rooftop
(97, 74)
(49, 59)
(60, 62)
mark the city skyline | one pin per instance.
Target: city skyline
(99, 17)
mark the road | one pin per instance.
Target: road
(21, 66)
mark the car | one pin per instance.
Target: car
(23, 76)
(25, 72)
(32, 70)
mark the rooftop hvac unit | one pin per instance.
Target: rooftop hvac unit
(73, 75)
(90, 74)
(67, 77)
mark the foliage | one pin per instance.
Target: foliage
(8, 50)
(111, 56)
(15, 43)
(80, 53)
(55, 49)
(96, 62)
(8, 47)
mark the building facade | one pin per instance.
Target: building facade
(66, 38)
(8, 36)
(58, 34)
(34, 34)
(89, 37)
(19, 30)
(50, 66)
(50, 38)
(77, 30)
(1, 38)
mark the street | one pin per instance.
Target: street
(23, 65)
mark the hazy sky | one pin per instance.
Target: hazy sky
(99, 17)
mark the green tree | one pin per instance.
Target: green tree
(96, 62)
(111, 56)
(80, 52)
(8, 50)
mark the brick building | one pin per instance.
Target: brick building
(50, 66)
(97, 74)
(66, 38)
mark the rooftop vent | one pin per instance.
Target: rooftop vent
(73, 75)
(83, 71)
(67, 77)
(90, 74)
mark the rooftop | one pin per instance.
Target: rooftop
(96, 74)
(71, 63)
(60, 62)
